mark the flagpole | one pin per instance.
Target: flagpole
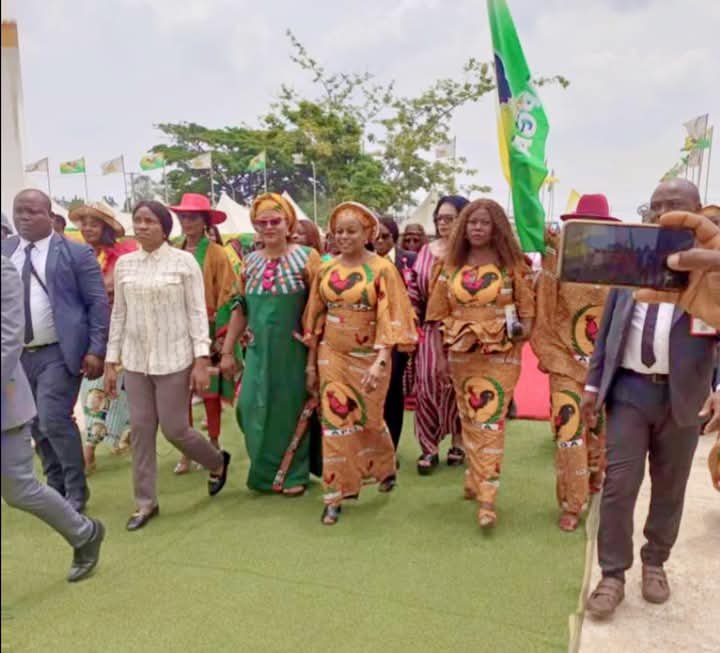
(265, 172)
(707, 172)
(47, 174)
(127, 197)
(132, 191)
(86, 184)
(312, 163)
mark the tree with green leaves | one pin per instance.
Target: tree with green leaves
(367, 142)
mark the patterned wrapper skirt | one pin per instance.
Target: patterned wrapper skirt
(357, 447)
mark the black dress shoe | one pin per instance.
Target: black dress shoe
(86, 556)
(139, 519)
(217, 483)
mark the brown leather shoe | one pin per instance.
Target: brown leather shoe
(655, 588)
(607, 596)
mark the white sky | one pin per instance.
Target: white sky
(97, 74)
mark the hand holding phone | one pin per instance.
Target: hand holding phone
(618, 254)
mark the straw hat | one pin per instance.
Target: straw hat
(98, 210)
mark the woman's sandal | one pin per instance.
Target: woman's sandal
(455, 457)
(295, 491)
(427, 463)
(330, 515)
(568, 522)
(388, 485)
(486, 515)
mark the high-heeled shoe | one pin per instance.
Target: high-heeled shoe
(330, 515)
(427, 463)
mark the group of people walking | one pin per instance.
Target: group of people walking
(314, 344)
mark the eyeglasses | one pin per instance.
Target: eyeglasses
(261, 225)
(444, 217)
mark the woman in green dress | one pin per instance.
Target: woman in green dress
(267, 319)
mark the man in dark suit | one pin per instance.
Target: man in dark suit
(386, 245)
(20, 487)
(66, 326)
(653, 376)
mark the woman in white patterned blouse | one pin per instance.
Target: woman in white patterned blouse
(159, 334)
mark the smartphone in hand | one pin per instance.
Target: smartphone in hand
(618, 254)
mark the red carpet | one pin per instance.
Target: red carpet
(532, 395)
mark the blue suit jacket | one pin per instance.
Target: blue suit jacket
(77, 296)
(692, 358)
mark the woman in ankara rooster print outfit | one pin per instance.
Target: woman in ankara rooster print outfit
(563, 339)
(357, 312)
(268, 319)
(483, 273)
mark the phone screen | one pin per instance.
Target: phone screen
(616, 254)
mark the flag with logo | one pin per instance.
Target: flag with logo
(113, 166)
(257, 163)
(201, 161)
(152, 161)
(38, 166)
(522, 129)
(696, 140)
(74, 167)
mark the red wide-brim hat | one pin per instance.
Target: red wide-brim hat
(196, 203)
(591, 207)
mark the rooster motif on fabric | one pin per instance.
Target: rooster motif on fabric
(585, 329)
(477, 284)
(565, 418)
(342, 408)
(485, 399)
(340, 285)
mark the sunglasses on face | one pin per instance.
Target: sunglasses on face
(261, 225)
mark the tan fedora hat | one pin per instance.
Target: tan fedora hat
(98, 210)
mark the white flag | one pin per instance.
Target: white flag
(38, 166)
(697, 127)
(445, 150)
(113, 166)
(201, 162)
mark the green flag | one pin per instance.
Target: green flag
(257, 163)
(522, 128)
(152, 161)
(73, 167)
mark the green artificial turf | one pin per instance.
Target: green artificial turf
(409, 571)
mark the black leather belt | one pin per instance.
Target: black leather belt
(32, 350)
(658, 379)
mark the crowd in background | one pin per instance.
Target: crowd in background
(319, 340)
